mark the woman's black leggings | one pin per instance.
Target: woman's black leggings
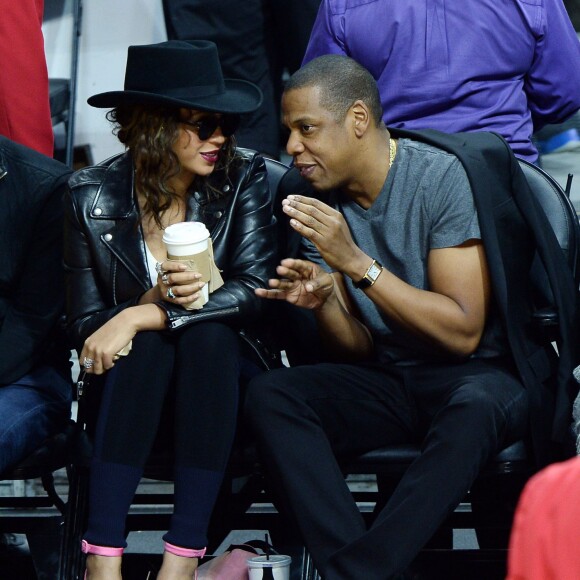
(197, 370)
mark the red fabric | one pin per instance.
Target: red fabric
(545, 541)
(24, 100)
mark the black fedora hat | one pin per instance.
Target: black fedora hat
(180, 73)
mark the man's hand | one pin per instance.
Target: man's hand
(301, 283)
(327, 229)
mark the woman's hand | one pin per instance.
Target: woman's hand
(301, 283)
(177, 284)
(101, 347)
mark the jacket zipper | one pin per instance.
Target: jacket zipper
(181, 320)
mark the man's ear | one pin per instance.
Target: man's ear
(361, 117)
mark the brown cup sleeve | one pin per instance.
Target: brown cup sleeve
(203, 263)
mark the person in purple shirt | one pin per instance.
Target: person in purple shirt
(509, 67)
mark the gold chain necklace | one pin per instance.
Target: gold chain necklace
(392, 150)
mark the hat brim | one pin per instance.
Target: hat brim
(239, 97)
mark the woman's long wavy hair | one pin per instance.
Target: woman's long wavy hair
(149, 133)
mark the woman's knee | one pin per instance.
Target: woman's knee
(147, 341)
(215, 336)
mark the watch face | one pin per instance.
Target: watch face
(374, 271)
(370, 276)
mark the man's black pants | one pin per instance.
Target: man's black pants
(462, 413)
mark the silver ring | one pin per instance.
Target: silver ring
(170, 293)
(165, 279)
(88, 362)
(159, 267)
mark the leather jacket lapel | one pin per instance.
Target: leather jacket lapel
(129, 249)
(119, 219)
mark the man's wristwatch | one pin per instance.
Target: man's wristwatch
(370, 276)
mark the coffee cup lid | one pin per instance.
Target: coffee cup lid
(185, 233)
(272, 561)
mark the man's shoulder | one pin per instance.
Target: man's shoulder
(425, 148)
(339, 7)
(425, 158)
(470, 147)
(28, 163)
(447, 140)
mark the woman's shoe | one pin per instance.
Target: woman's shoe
(100, 550)
(184, 552)
(87, 548)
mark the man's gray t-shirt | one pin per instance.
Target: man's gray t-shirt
(425, 203)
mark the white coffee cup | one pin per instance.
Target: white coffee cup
(275, 566)
(186, 241)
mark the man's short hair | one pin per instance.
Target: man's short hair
(342, 81)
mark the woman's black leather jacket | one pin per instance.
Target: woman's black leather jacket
(105, 260)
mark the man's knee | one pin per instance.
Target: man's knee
(261, 391)
(269, 394)
(500, 407)
(477, 397)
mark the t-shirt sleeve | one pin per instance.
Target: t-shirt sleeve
(453, 214)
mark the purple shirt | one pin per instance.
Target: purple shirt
(509, 66)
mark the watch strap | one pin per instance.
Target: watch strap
(370, 276)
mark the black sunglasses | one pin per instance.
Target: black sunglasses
(206, 126)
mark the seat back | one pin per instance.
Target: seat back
(276, 171)
(284, 181)
(559, 211)
(280, 186)
(563, 220)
